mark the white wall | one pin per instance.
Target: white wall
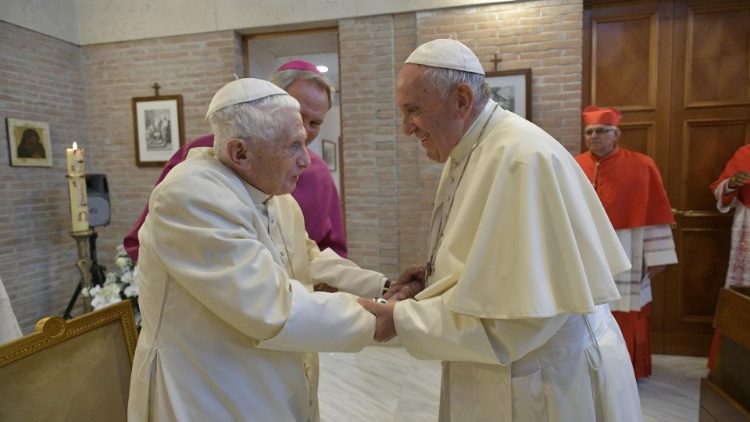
(84, 22)
(56, 18)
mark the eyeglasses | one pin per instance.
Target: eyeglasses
(598, 130)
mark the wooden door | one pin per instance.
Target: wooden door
(709, 119)
(679, 72)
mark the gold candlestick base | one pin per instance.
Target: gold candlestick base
(84, 264)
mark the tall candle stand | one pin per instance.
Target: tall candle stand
(84, 267)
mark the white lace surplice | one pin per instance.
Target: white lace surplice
(647, 246)
(738, 273)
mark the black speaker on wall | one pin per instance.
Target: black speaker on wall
(97, 191)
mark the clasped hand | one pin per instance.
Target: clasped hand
(739, 179)
(409, 283)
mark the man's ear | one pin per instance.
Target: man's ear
(465, 99)
(238, 151)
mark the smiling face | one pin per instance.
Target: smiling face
(313, 105)
(436, 121)
(601, 139)
(274, 165)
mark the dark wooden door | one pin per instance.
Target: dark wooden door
(679, 71)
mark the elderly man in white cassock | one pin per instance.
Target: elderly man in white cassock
(521, 261)
(227, 274)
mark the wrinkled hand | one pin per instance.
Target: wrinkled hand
(739, 179)
(409, 283)
(385, 328)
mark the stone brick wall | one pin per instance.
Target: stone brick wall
(194, 66)
(41, 79)
(85, 94)
(370, 177)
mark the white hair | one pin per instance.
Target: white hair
(252, 121)
(444, 80)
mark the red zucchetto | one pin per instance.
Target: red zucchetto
(593, 115)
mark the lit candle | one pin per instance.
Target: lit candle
(79, 211)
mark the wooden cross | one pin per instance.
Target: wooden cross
(496, 60)
(156, 86)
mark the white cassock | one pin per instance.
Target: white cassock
(516, 306)
(225, 326)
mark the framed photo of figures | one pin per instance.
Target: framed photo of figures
(29, 143)
(329, 154)
(158, 129)
(512, 90)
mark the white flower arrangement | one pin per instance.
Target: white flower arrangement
(118, 285)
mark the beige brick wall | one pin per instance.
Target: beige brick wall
(41, 79)
(194, 66)
(370, 175)
(389, 184)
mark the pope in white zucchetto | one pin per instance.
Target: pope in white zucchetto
(229, 315)
(520, 263)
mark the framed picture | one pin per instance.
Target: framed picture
(512, 90)
(329, 154)
(28, 143)
(158, 129)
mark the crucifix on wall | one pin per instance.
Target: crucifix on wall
(496, 61)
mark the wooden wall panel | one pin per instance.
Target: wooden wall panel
(696, 298)
(708, 145)
(718, 57)
(638, 136)
(624, 50)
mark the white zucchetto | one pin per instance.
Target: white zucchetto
(242, 91)
(446, 54)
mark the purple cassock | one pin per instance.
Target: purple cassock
(316, 194)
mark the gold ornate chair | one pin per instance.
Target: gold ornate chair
(76, 370)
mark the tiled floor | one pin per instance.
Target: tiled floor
(385, 384)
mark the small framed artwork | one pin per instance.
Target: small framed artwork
(28, 143)
(512, 90)
(329, 154)
(158, 129)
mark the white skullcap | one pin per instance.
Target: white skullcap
(242, 91)
(447, 54)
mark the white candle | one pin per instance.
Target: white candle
(79, 211)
